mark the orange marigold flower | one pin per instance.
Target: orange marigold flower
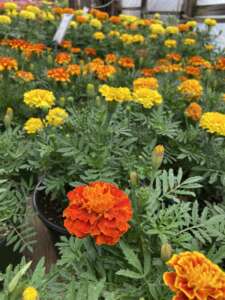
(62, 11)
(148, 72)
(17, 44)
(111, 58)
(194, 71)
(126, 62)
(183, 27)
(191, 89)
(115, 19)
(195, 277)
(75, 50)
(8, 63)
(174, 56)
(59, 74)
(146, 82)
(100, 15)
(66, 44)
(105, 71)
(198, 61)
(168, 68)
(74, 69)
(90, 51)
(220, 64)
(193, 111)
(63, 58)
(81, 19)
(100, 210)
(26, 76)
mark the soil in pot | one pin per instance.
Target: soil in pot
(7, 255)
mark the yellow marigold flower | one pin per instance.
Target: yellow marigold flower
(146, 82)
(47, 16)
(96, 23)
(39, 98)
(12, 13)
(189, 42)
(210, 22)
(30, 293)
(157, 29)
(33, 125)
(56, 116)
(99, 36)
(120, 94)
(209, 47)
(28, 15)
(10, 5)
(114, 33)
(5, 19)
(147, 97)
(193, 111)
(73, 24)
(34, 9)
(191, 89)
(213, 122)
(157, 16)
(192, 24)
(195, 277)
(153, 36)
(170, 43)
(172, 30)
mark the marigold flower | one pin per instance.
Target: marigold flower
(7, 63)
(56, 116)
(189, 42)
(194, 71)
(75, 50)
(73, 69)
(126, 62)
(34, 9)
(27, 15)
(73, 24)
(213, 122)
(191, 89)
(148, 72)
(105, 71)
(115, 19)
(147, 97)
(99, 36)
(174, 56)
(39, 98)
(113, 33)
(30, 293)
(199, 61)
(110, 58)
(146, 82)
(33, 125)
(81, 19)
(170, 43)
(63, 58)
(157, 29)
(90, 51)
(59, 74)
(220, 64)
(120, 94)
(195, 277)
(26, 76)
(96, 23)
(192, 24)
(5, 20)
(100, 210)
(10, 5)
(193, 111)
(210, 22)
(66, 44)
(172, 30)
(183, 27)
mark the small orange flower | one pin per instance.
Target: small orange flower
(81, 19)
(220, 64)
(183, 27)
(75, 50)
(146, 82)
(62, 11)
(193, 111)
(105, 71)
(198, 61)
(90, 51)
(174, 56)
(195, 277)
(110, 58)
(100, 15)
(148, 72)
(17, 44)
(63, 58)
(126, 62)
(66, 44)
(8, 63)
(26, 76)
(100, 210)
(115, 19)
(73, 69)
(194, 71)
(59, 74)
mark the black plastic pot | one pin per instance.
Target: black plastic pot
(55, 228)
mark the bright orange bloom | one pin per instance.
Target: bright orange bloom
(73, 69)
(105, 71)
(75, 50)
(115, 19)
(174, 56)
(90, 51)
(100, 210)
(63, 58)
(29, 49)
(191, 89)
(26, 76)
(7, 63)
(183, 27)
(146, 82)
(198, 61)
(168, 68)
(193, 71)
(148, 72)
(220, 64)
(195, 277)
(81, 19)
(126, 62)
(65, 10)
(66, 44)
(59, 74)
(100, 15)
(193, 111)
(15, 43)
(110, 58)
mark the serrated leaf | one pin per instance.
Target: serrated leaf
(130, 256)
(129, 274)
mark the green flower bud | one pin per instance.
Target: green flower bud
(8, 117)
(90, 89)
(166, 251)
(157, 156)
(134, 178)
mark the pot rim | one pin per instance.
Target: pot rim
(49, 224)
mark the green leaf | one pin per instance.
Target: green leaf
(13, 283)
(131, 257)
(129, 274)
(95, 290)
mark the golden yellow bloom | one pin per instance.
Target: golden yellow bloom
(209, 47)
(172, 30)
(120, 94)
(213, 122)
(30, 293)
(191, 89)
(32, 125)
(39, 98)
(157, 29)
(73, 24)
(10, 5)
(114, 33)
(34, 9)
(210, 22)
(5, 19)
(28, 15)
(130, 38)
(147, 97)
(11, 13)
(189, 42)
(170, 43)
(146, 82)
(56, 116)
(96, 23)
(47, 16)
(195, 277)
(99, 36)
(193, 111)
(192, 24)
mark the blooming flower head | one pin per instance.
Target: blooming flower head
(189, 42)
(39, 98)
(192, 24)
(193, 111)
(195, 277)
(146, 82)
(74, 70)
(170, 43)
(210, 22)
(172, 30)
(126, 62)
(63, 58)
(59, 74)
(10, 5)
(147, 97)
(99, 209)
(191, 89)
(56, 116)
(120, 94)
(27, 15)
(7, 63)
(33, 125)
(220, 64)
(96, 23)
(157, 29)
(99, 36)
(30, 293)
(5, 19)
(213, 122)
(24, 75)
(110, 58)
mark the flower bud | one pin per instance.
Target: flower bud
(98, 101)
(166, 251)
(30, 293)
(134, 178)
(62, 101)
(8, 117)
(70, 99)
(50, 59)
(90, 89)
(157, 156)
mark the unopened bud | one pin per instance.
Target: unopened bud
(157, 156)
(70, 99)
(62, 101)
(8, 117)
(98, 101)
(166, 251)
(90, 89)
(50, 59)
(134, 178)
